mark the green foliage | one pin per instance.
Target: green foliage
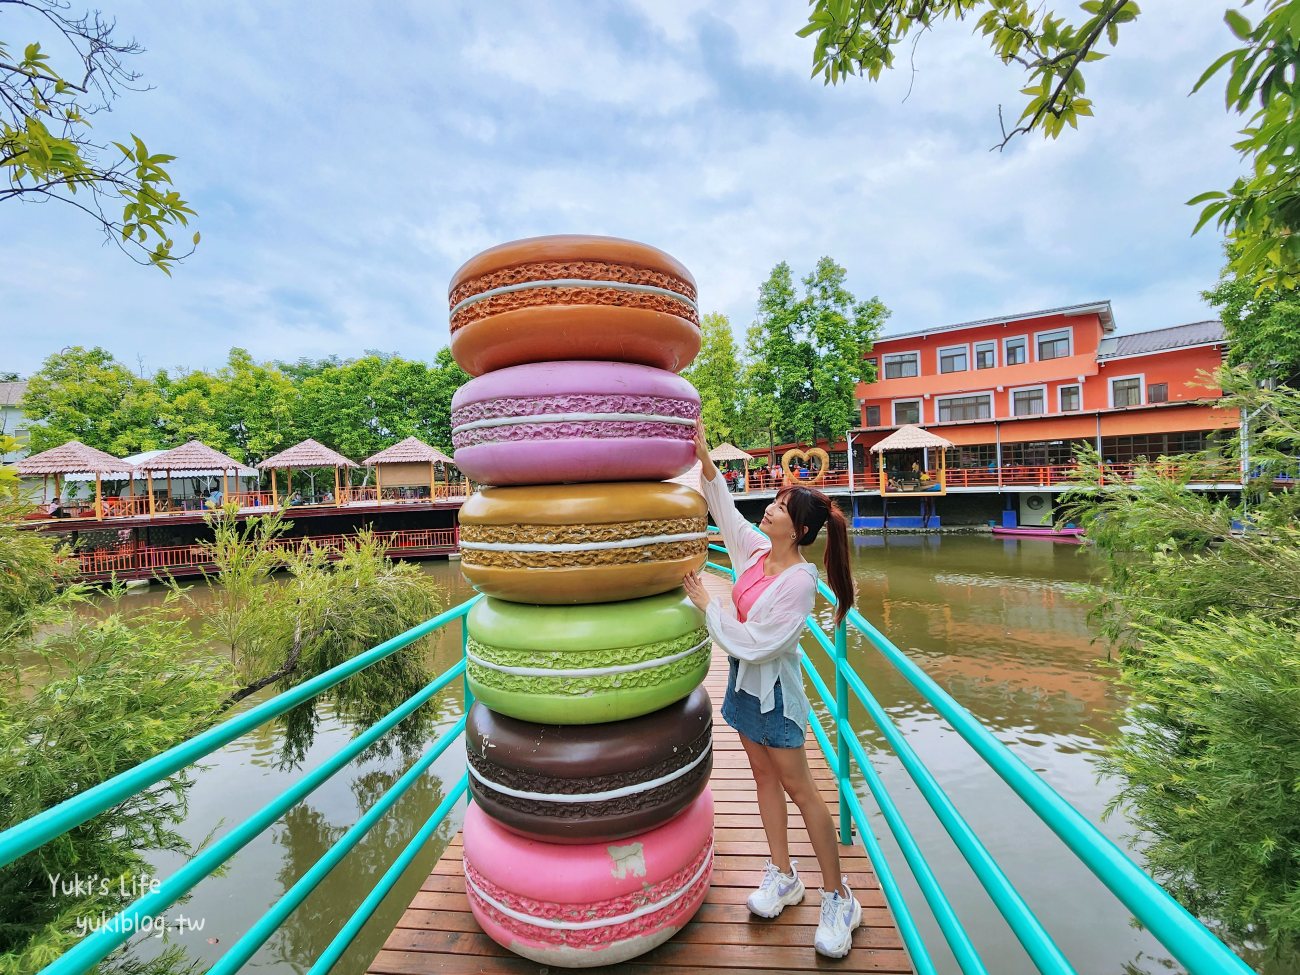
(332, 606)
(1206, 616)
(715, 373)
(33, 567)
(47, 150)
(1210, 762)
(1259, 213)
(101, 697)
(246, 409)
(1263, 326)
(805, 356)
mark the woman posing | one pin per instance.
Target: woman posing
(759, 628)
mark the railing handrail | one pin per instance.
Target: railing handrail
(1182, 934)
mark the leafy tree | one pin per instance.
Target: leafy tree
(84, 394)
(807, 354)
(1263, 326)
(47, 151)
(1203, 602)
(715, 373)
(1259, 213)
(447, 377)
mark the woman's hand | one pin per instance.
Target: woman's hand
(707, 468)
(694, 586)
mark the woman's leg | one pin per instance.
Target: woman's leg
(771, 802)
(791, 765)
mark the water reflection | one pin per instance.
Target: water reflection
(995, 622)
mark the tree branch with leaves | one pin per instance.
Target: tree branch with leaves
(47, 151)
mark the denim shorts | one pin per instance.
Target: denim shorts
(740, 710)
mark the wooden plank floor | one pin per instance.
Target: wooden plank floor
(439, 934)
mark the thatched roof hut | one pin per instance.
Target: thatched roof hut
(911, 437)
(188, 460)
(305, 456)
(725, 451)
(73, 457)
(408, 464)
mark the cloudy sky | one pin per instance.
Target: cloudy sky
(346, 158)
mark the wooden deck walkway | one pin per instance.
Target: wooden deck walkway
(439, 934)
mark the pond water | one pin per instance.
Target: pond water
(996, 622)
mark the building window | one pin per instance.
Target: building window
(1028, 402)
(1071, 398)
(907, 411)
(954, 359)
(1158, 393)
(1126, 391)
(1054, 345)
(986, 355)
(873, 416)
(1015, 351)
(964, 408)
(904, 365)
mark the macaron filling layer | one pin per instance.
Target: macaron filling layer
(584, 416)
(571, 282)
(569, 546)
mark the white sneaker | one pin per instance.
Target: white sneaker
(841, 914)
(776, 891)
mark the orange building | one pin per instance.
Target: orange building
(1016, 395)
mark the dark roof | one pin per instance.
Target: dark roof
(1161, 339)
(11, 393)
(1102, 308)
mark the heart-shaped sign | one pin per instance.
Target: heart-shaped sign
(807, 456)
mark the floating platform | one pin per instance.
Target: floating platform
(1059, 534)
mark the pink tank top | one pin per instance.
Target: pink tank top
(749, 587)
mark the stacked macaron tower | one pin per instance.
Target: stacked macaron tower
(590, 840)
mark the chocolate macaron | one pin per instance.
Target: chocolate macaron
(590, 783)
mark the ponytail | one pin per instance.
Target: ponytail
(837, 563)
(810, 509)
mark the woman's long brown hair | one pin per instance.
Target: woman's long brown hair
(810, 509)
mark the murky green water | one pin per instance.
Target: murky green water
(992, 621)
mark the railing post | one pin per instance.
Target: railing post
(469, 695)
(842, 729)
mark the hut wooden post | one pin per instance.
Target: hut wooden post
(379, 484)
(275, 499)
(881, 459)
(149, 486)
(58, 488)
(99, 496)
(432, 474)
(169, 489)
(337, 500)
(45, 489)
(943, 469)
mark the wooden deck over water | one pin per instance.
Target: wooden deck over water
(439, 934)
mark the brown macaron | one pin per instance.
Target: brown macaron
(572, 296)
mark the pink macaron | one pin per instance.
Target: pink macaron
(561, 422)
(588, 905)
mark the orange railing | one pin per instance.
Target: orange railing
(129, 559)
(405, 495)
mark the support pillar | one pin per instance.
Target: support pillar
(99, 496)
(149, 486)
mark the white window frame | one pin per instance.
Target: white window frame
(920, 409)
(975, 351)
(975, 392)
(884, 356)
(1060, 397)
(1011, 400)
(938, 358)
(1006, 341)
(1141, 377)
(1069, 341)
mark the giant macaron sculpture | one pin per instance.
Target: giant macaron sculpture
(590, 840)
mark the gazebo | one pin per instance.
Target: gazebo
(409, 463)
(913, 438)
(725, 452)
(188, 460)
(306, 455)
(73, 457)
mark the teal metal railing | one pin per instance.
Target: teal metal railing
(1182, 934)
(33, 833)
(1186, 938)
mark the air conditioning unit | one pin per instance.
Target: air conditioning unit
(1035, 509)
